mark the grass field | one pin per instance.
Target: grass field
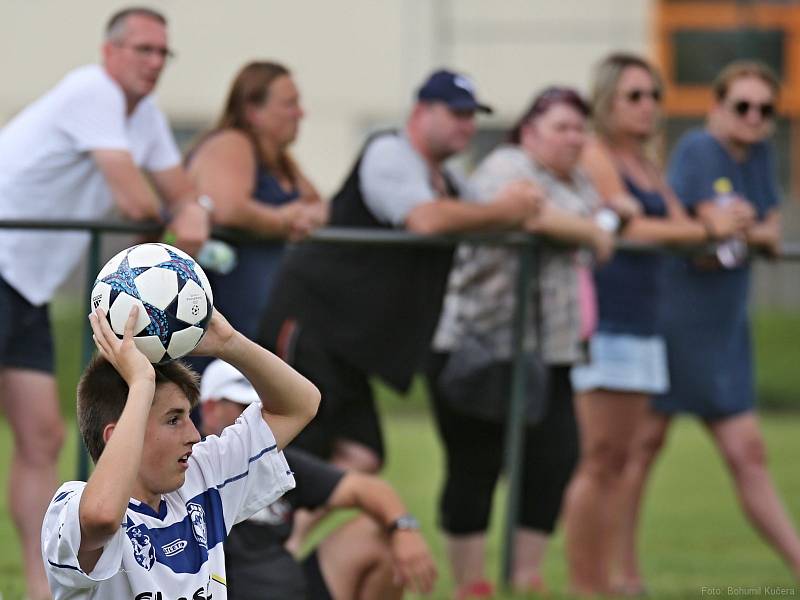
(695, 541)
(693, 533)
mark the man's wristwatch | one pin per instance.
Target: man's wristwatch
(206, 202)
(406, 522)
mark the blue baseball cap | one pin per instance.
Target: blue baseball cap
(455, 90)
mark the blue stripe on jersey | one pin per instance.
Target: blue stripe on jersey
(146, 509)
(62, 496)
(183, 546)
(249, 460)
(79, 570)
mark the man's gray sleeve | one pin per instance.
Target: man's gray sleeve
(394, 179)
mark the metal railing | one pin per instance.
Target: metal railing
(528, 272)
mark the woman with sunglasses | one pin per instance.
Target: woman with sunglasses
(705, 320)
(244, 164)
(476, 325)
(628, 357)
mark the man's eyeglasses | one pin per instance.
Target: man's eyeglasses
(146, 51)
(742, 107)
(636, 95)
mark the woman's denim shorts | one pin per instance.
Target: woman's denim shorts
(623, 362)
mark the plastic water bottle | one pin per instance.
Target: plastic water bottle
(217, 256)
(731, 252)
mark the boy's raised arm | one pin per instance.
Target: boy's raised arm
(289, 400)
(106, 495)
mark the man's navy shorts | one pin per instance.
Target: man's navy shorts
(25, 338)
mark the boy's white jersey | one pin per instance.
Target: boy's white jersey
(176, 552)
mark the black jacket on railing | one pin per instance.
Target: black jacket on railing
(374, 306)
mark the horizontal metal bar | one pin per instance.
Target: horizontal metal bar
(790, 250)
(111, 226)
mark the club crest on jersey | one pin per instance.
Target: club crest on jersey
(197, 516)
(143, 551)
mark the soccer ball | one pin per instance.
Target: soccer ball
(172, 292)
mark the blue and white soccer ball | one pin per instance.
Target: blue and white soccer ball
(173, 294)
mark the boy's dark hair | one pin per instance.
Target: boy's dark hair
(102, 394)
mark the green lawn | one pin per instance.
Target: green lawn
(693, 532)
(776, 338)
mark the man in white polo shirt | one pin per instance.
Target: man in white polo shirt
(90, 143)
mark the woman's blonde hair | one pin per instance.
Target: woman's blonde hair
(604, 87)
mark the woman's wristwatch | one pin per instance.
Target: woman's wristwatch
(608, 220)
(206, 202)
(406, 522)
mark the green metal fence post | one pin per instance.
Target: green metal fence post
(515, 425)
(92, 267)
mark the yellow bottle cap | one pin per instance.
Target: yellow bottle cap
(723, 186)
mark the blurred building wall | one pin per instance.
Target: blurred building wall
(357, 61)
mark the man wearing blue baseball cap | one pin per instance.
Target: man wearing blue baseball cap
(454, 90)
(342, 314)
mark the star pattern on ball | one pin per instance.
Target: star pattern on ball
(122, 280)
(159, 323)
(182, 266)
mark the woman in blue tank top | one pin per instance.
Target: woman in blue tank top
(627, 356)
(244, 165)
(705, 320)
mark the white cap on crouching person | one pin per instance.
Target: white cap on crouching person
(223, 381)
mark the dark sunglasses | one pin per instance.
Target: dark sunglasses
(635, 96)
(742, 107)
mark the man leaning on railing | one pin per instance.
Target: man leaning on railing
(342, 314)
(84, 147)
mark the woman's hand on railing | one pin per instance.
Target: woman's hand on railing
(302, 218)
(521, 201)
(603, 244)
(728, 220)
(625, 205)
(191, 227)
(766, 237)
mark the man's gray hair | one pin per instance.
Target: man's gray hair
(115, 29)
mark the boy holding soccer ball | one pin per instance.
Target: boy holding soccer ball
(151, 520)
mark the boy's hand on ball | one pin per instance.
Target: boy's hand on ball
(123, 354)
(218, 336)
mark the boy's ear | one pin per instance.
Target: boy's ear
(107, 431)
